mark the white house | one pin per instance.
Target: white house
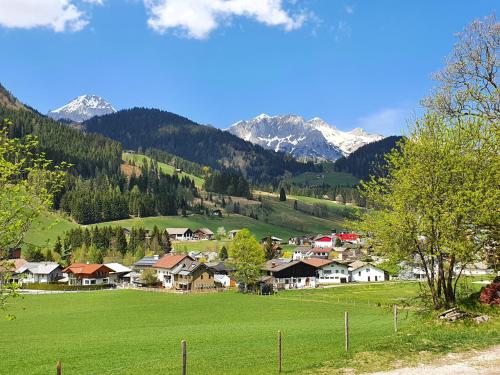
(363, 271)
(39, 272)
(180, 234)
(330, 271)
(322, 241)
(224, 280)
(301, 252)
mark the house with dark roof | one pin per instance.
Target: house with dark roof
(290, 274)
(203, 234)
(329, 271)
(87, 274)
(189, 275)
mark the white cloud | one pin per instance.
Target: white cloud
(59, 15)
(94, 2)
(349, 9)
(387, 121)
(198, 18)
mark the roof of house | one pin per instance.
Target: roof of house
(204, 231)
(117, 267)
(347, 236)
(187, 266)
(170, 260)
(317, 262)
(177, 231)
(39, 268)
(85, 269)
(219, 277)
(147, 261)
(358, 264)
(278, 264)
(302, 249)
(219, 267)
(323, 238)
(321, 250)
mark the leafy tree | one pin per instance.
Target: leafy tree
(248, 257)
(223, 255)
(271, 250)
(221, 233)
(149, 277)
(282, 195)
(440, 199)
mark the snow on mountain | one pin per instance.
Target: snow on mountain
(312, 139)
(82, 108)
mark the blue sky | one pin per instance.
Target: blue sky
(353, 63)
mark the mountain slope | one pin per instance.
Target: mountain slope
(82, 108)
(314, 139)
(152, 128)
(367, 160)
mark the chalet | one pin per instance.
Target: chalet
(364, 271)
(233, 233)
(203, 234)
(119, 273)
(87, 274)
(191, 275)
(39, 272)
(180, 234)
(290, 274)
(329, 271)
(165, 266)
(320, 252)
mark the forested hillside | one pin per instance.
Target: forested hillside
(141, 129)
(367, 160)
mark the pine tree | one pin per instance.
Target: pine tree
(282, 195)
(223, 253)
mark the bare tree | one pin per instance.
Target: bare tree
(469, 82)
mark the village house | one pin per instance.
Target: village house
(181, 272)
(290, 274)
(224, 280)
(119, 274)
(203, 234)
(364, 271)
(180, 234)
(233, 233)
(87, 274)
(320, 252)
(301, 252)
(275, 240)
(322, 241)
(301, 241)
(329, 271)
(39, 272)
(352, 238)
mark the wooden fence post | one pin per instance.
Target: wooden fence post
(395, 318)
(346, 330)
(280, 358)
(184, 357)
(58, 368)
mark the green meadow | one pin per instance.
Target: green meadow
(138, 332)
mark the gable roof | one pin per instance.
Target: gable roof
(117, 267)
(323, 238)
(170, 260)
(188, 266)
(358, 264)
(348, 236)
(85, 269)
(38, 268)
(317, 262)
(321, 250)
(204, 231)
(302, 249)
(177, 231)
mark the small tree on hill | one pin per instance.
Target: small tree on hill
(282, 195)
(223, 255)
(271, 250)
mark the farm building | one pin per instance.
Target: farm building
(87, 274)
(203, 234)
(291, 274)
(363, 271)
(180, 234)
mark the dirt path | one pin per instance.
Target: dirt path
(483, 362)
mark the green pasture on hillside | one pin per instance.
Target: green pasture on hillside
(168, 169)
(328, 177)
(138, 332)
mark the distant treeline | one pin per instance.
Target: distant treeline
(227, 183)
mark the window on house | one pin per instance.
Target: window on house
(336, 271)
(367, 270)
(201, 277)
(341, 271)
(93, 282)
(327, 272)
(359, 273)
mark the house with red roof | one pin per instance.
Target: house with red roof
(87, 274)
(348, 237)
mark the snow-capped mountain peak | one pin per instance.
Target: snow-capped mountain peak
(312, 139)
(82, 108)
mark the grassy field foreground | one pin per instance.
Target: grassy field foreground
(134, 332)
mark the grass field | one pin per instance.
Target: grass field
(47, 227)
(329, 177)
(134, 332)
(168, 169)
